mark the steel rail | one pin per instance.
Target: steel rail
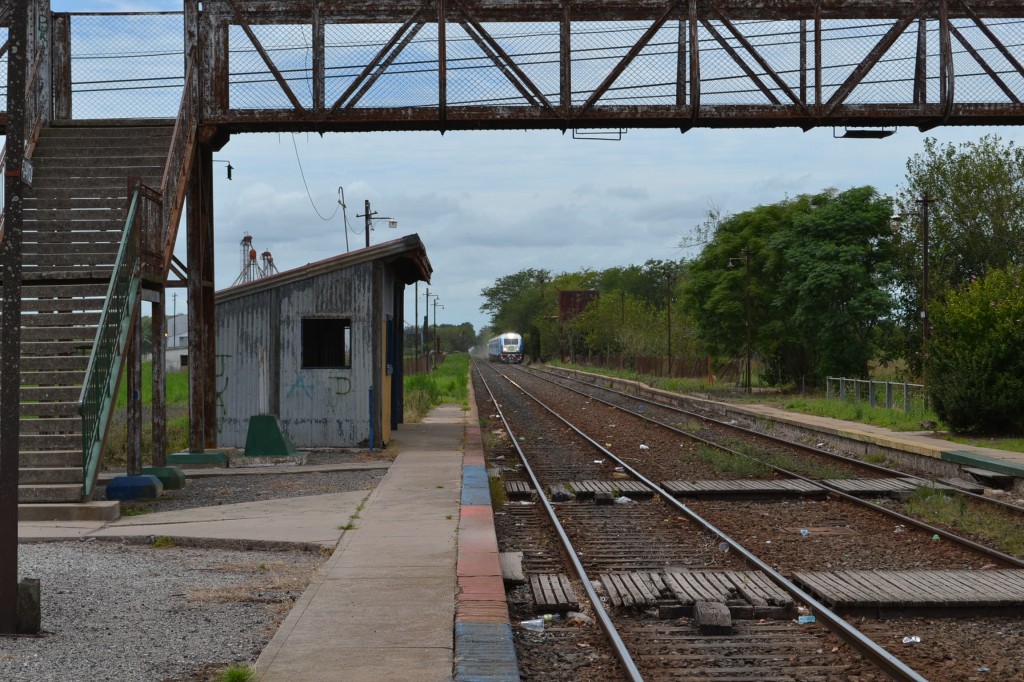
(782, 441)
(918, 523)
(877, 654)
(621, 651)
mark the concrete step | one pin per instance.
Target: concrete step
(81, 511)
(51, 458)
(54, 426)
(66, 378)
(50, 409)
(50, 476)
(44, 442)
(68, 363)
(53, 492)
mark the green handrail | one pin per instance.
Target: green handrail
(96, 402)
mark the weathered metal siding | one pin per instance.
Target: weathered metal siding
(316, 407)
(325, 407)
(243, 364)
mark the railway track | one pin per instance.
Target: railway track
(975, 511)
(653, 559)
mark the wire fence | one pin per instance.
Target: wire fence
(890, 394)
(132, 65)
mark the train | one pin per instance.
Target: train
(506, 348)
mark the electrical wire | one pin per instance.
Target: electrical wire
(306, 185)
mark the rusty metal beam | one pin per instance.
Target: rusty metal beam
(392, 11)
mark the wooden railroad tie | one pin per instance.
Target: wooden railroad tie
(518, 490)
(553, 592)
(943, 590)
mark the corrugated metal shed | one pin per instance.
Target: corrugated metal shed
(319, 346)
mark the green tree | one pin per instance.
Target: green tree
(809, 273)
(975, 359)
(975, 194)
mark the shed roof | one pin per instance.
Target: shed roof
(408, 255)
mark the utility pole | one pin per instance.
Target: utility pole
(925, 322)
(426, 317)
(746, 297)
(369, 221)
(671, 279)
(10, 331)
(369, 216)
(437, 344)
(416, 326)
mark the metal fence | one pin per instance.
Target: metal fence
(890, 394)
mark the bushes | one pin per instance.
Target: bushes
(975, 362)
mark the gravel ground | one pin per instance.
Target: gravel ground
(125, 611)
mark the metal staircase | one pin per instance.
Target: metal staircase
(74, 218)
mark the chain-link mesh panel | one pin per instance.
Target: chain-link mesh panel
(722, 79)
(253, 84)
(3, 69)
(127, 65)
(474, 78)
(974, 83)
(404, 76)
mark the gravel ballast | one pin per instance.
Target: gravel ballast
(154, 610)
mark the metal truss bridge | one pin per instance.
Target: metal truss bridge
(359, 65)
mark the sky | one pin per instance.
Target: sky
(488, 204)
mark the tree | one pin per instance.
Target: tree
(975, 367)
(816, 288)
(976, 223)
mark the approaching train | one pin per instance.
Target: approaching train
(505, 348)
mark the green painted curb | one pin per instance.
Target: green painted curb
(173, 478)
(266, 438)
(197, 459)
(983, 462)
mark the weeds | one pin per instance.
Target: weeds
(956, 511)
(729, 463)
(164, 542)
(497, 486)
(237, 673)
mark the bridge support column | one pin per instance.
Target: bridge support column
(202, 359)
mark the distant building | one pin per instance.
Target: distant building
(572, 303)
(320, 346)
(176, 357)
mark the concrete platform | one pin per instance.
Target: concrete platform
(413, 588)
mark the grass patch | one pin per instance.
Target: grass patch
(447, 384)
(809, 468)
(175, 386)
(237, 673)
(679, 385)
(850, 410)
(938, 506)
(1011, 444)
(876, 458)
(728, 463)
(164, 542)
(497, 486)
(133, 510)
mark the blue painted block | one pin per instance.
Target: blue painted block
(145, 487)
(485, 652)
(475, 488)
